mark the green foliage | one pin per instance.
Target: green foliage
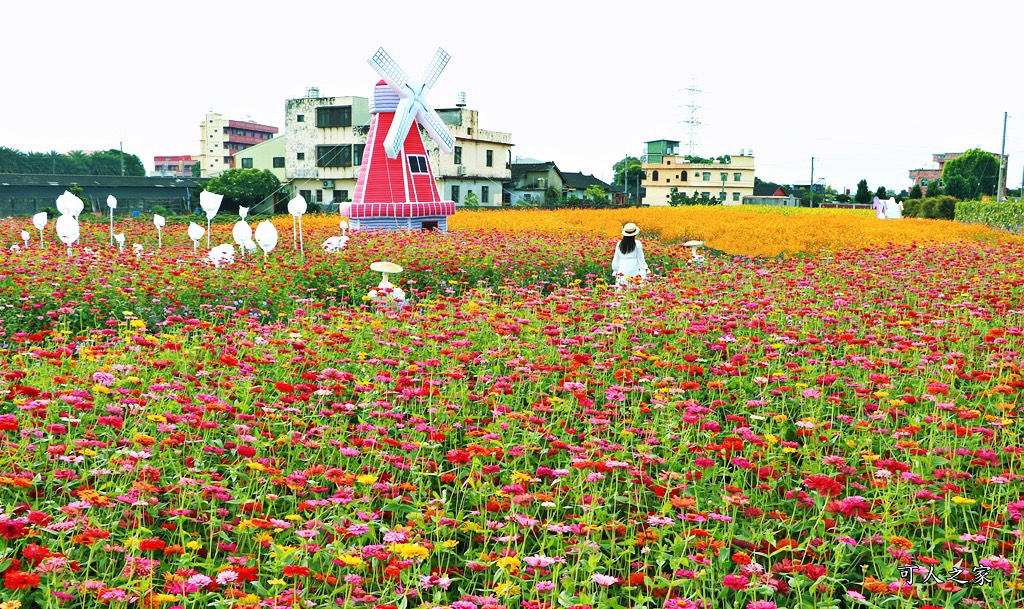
(634, 171)
(678, 198)
(971, 175)
(1007, 215)
(471, 200)
(915, 192)
(843, 198)
(197, 171)
(725, 159)
(942, 207)
(104, 163)
(552, 196)
(881, 193)
(863, 195)
(245, 187)
(160, 210)
(933, 189)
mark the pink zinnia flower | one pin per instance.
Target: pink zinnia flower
(603, 580)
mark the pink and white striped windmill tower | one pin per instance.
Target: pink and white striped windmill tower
(395, 188)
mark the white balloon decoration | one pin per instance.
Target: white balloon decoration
(210, 202)
(266, 237)
(195, 233)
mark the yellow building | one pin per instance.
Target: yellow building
(728, 178)
(220, 139)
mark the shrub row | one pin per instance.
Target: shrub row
(941, 207)
(1008, 215)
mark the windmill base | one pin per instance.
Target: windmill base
(399, 216)
(439, 223)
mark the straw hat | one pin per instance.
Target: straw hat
(630, 230)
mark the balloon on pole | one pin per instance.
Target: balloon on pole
(68, 230)
(210, 202)
(119, 237)
(39, 221)
(159, 222)
(241, 232)
(266, 237)
(112, 204)
(297, 207)
(195, 233)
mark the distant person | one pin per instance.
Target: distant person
(629, 264)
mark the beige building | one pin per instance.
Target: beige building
(324, 142)
(667, 172)
(480, 163)
(220, 139)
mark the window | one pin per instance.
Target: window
(706, 176)
(357, 154)
(682, 176)
(305, 194)
(490, 158)
(418, 163)
(340, 196)
(334, 116)
(301, 118)
(247, 163)
(736, 177)
(506, 197)
(334, 156)
(725, 176)
(455, 194)
(485, 194)
(278, 162)
(300, 156)
(429, 225)
(654, 175)
(705, 195)
(735, 196)
(458, 155)
(319, 196)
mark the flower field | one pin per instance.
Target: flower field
(838, 429)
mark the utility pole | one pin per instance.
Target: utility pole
(1000, 190)
(810, 189)
(121, 146)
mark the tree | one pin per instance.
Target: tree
(244, 187)
(197, 171)
(863, 194)
(596, 194)
(634, 171)
(979, 170)
(880, 193)
(471, 200)
(933, 189)
(915, 192)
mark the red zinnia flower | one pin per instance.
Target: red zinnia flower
(295, 571)
(20, 580)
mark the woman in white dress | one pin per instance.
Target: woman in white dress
(629, 264)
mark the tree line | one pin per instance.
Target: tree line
(76, 162)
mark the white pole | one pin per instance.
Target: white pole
(207, 232)
(159, 238)
(111, 226)
(295, 239)
(41, 243)
(302, 249)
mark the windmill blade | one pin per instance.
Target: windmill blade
(433, 71)
(437, 129)
(405, 114)
(388, 69)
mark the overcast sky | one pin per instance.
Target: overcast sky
(871, 89)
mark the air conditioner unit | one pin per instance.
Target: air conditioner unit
(328, 184)
(460, 170)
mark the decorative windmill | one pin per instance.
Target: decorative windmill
(395, 187)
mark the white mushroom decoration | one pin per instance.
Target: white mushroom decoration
(385, 289)
(695, 256)
(195, 233)
(119, 237)
(25, 237)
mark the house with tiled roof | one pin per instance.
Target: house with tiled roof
(531, 181)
